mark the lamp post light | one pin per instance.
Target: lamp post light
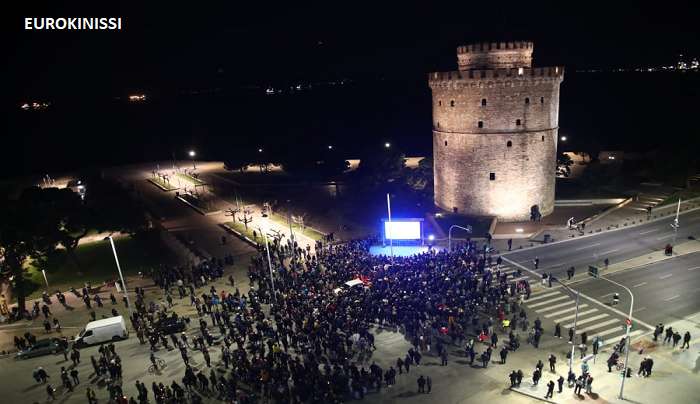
(192, 154)
(563, 138)
(121, 277)
(675, 223)
(269, 261)
(330, 147)
(43, 272)
(387, 145)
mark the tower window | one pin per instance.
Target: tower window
(452, 103)
(527, 100)
(439, 103)
(541, 100)
(492, 176)
(445, 142)
(509, 144)
(517, 122)
(543, 138)
(438, 124)
(483, 102)
(481, 124)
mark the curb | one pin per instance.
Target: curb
(160, 186)
(525, 393)
(238, 234)
(200, 211)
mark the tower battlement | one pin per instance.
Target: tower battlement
(494, 55)
(495, 126)
(523, 73)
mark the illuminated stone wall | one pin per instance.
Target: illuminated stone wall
(495, 137)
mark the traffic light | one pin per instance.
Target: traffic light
(593, 271)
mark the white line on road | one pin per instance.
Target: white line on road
(556, 299)
(672, 298)
(639, 284)
(663, 237)
(665, 276)
(649, 231)
(639, 309)
(693, 268)
(609, 294)
(588, 246)
(542, 296)
(610, 252)
(560, 312)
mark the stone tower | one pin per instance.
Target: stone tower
(495, 124)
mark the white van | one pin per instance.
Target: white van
(108, 329)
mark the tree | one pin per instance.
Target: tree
(23, 235)
(564, 162)
(421, 178)
(376, 169)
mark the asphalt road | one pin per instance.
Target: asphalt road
(616, 246)
(663, 292)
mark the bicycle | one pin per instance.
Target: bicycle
(155, 367)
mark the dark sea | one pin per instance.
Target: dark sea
(598, 111)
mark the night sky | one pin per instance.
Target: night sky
(167, 49)
(179, 44)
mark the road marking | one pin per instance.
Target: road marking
(693, 268)
(543, 295)
(609, 331)
(639, 284)
(665, 276)
(572, 316)
(556, 306)
(588, 246)
(672, 298)
(649, 231)
(663, 237)
(596, 326)
(560, 312)
(548, 301)
(639, 309)
(586, 321)
(609, 252)
(609, 294)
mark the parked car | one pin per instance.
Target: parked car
(171, 325)
(42, 347)
(107, 329)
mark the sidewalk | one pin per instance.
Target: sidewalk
(623, 217)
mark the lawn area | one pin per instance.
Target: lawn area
(96, 263)
(168, 186)
(308, 232)
(190, 179)
(684, 194)
(240, 227)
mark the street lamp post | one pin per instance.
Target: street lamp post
(121, 277)
(43, 272)
(573, 341)
(675, 223)
(269, 261)
(391, 229)
(192, 154)
(468, 229)
(627, 333)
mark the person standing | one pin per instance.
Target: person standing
(550, 390)
(504, 354)
(510, 244)
(579, 385)
(557, 330)
(686, 340)
(552, 362)
(571, 335)
(443, 356)
(537, 263)
(669, 335)
(536, 377)
(560, 383)
(421, 384)
(589, 385)
(676, 338)
(91, 396)
(658, 330)
(50, 392)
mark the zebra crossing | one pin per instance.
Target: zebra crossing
(560, 308)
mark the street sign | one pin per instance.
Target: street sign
(593, 271)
